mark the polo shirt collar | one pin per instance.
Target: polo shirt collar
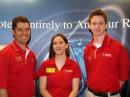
(17, 47)
(67, 62)
(106, 41)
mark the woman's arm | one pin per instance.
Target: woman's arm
(75, 87)
(42, 84)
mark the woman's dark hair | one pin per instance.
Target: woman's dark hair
(51, 51)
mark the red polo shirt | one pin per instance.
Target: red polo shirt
(59, 83)
(106, 65)
(17, 70)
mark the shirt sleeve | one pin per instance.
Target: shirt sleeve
(123, 64)
(76, 71)
(85, 59)
(42, 69)
(4, 70)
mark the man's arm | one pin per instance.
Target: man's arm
(4, 69)
(3, 93)
(121, 83)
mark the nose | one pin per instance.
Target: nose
(57, 45)
(24, 32)
(97, 25)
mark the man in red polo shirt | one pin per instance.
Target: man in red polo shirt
(17, 62)
(105, 58)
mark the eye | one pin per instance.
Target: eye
(20, 29)
(27, 29)
(54, 43)
(61, 42)
(101, 23)
(93, 23)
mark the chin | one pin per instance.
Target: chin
(98, 34)
(24, 42)
(60, 54)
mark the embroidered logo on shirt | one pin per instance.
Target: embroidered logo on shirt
(19, 59)
(90, 57)
(50, 70)
(32, 60)
(107, 55)
(69, 70)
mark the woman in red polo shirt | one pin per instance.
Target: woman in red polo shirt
(59, 75)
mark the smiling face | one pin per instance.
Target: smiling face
(59, 46)
(98, 25)
(22, 33)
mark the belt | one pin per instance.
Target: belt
(103, 94)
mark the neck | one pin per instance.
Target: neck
(99, 39)
(60, 57)
(60, 61)
(22, 46)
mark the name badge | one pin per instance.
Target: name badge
(50, 70)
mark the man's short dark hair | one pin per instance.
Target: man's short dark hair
(19, 19)
(98, 12)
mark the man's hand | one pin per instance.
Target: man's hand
(3, 93)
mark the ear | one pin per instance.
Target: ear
(12, 32)
(106, 26)
(88, 25)
(67, 45)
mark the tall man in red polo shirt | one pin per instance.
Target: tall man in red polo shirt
(17, 62)
(105, 58)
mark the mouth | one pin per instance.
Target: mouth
(25, 37)
(97, 30)
(58, 49)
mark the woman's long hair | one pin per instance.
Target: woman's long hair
(51, 51)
